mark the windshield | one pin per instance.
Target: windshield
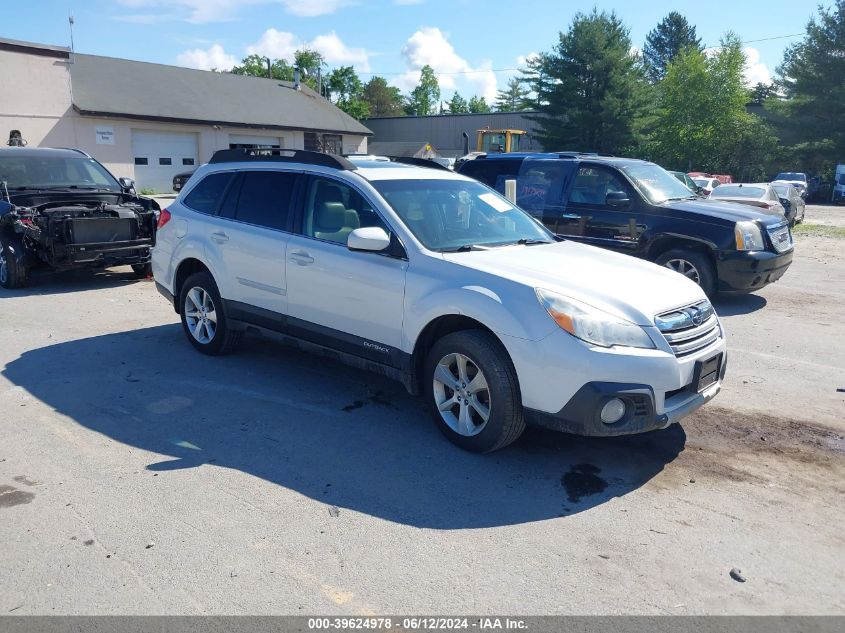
(657, 184)
(54, 172)
(734, 191)
(791, 175)
(449, 214)
(783, 190)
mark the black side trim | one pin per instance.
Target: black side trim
(320, 335)
(581, 415)
(164, 292)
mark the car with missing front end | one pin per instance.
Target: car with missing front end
(436, 280)
(60, 209)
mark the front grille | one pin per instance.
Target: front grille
(689, 329)
(781, 238)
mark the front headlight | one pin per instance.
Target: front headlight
(748, 237)
(591, 324)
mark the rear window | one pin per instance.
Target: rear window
(206, 195)
(734, 191)
(265, 198)
(492, 173)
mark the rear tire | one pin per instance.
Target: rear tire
(142, 271)
(203, 318)
(694, 265)
(12, 274)
(468, 375)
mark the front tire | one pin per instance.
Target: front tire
(12, 274)
(694, 265)
(473, 391)
(203, 318)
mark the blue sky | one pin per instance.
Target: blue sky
(474, 45)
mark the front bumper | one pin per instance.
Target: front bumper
(746, 271)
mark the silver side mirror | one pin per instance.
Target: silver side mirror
(368, 238)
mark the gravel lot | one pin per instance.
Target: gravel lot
(139, 477)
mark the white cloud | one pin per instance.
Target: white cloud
(522, 60)
(206, 59)
(430, 46)
(205, 11)
(283, 45)
(755, 70)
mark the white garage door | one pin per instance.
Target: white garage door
(161, 155)
(254, 142)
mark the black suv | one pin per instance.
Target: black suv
(61, 209)
(637, 207)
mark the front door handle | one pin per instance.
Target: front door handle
(301, 257)
(219, 237)
(571, 216)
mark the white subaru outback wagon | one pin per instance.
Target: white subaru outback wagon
(436, 280)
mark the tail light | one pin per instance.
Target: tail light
(163, 218)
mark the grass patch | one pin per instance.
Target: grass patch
(818, 230)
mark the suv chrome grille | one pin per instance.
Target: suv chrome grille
(781, 238)
(689, 329)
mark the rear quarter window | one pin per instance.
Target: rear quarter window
(205, 197)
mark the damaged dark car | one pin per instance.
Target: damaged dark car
(60, 209)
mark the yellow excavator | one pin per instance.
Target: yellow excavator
(498, 141)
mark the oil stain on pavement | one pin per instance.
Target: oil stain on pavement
(582, 481)
(11, 496)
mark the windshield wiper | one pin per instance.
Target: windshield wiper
(465, 248)
(529, 241)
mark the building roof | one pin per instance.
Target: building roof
(106, 86)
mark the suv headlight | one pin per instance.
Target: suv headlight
(591, 324)
(748, 237)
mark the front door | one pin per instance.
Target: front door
(349, 300)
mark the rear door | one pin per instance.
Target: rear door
(352, 301)
(250, 237)
(541, 190)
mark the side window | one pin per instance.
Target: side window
(265, 198)
(541, 187)
(592, 184)
(206, 195)
(333, 210)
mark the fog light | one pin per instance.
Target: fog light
(613, 411)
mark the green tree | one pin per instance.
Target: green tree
(665, 42)
(478, 105)
(311, 65)
(512, 98)
(812, 80)
(702, 122)
(426, 96)
(761, 91)
(457, 104)
(540, 84)
(590, 89)
(256, 66)
(347, 92)
(382, 99)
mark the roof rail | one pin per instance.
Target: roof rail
(244, 155)
(418, 162)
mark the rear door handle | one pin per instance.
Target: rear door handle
(219, 237)
(301, 257)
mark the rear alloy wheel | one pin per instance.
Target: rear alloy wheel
(203, 318)
(693, 265)
(472, 388)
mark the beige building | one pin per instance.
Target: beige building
(150, 121)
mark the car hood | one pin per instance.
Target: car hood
(626, 286)
(731, 211)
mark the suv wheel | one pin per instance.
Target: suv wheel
(472, 388)
(12, 274)
(693, 265)
(203, 319)
(142, 271)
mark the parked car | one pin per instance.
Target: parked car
(433, 279)
(838, 193)
(61, 209)
(793, 204)
(179, 180)
(794, 178)
(636, 207)
(706, 185)
(760, 194)
(689, 182)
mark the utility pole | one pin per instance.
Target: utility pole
(70, 22)
(269, 72)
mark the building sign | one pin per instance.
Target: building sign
(105, 135)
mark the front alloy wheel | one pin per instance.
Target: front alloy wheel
(461, 394)
(200, 315)
(686, 268)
